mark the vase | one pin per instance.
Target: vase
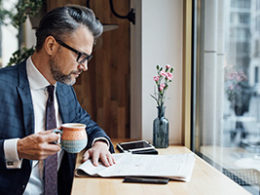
(161, 129)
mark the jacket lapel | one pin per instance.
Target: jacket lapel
(62, 101)
(26, 99)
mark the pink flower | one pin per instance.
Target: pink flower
(162, 73)
(162, 85)
(162, 79)
(236, 76)
(169, 76)
(156, 78)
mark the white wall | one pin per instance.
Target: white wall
(156, 39)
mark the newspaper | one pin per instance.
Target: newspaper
(173, 166)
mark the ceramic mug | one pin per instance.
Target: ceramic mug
(73, 137)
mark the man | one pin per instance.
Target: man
(65, 41)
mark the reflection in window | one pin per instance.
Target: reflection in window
(240, 4)
(256, 48)
(257, 23)
(244, 18)
(257, 7)
(256, 75)
(242, 48)
(227, 113)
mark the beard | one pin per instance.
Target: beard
(59, 76)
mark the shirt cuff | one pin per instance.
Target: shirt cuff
(101, 139)
(11, 155)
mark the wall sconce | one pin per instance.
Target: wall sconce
(130, 16)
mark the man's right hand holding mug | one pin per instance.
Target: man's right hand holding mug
(38, 146)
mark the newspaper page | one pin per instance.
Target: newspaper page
(174, 166)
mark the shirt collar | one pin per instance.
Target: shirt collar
(36, 79)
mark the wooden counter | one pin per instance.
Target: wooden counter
(205, 180)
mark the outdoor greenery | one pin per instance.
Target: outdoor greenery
(16, 16)
(20, 55)
(26, 8)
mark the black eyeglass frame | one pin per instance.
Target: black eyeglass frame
(87, 57)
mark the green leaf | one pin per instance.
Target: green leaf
(20, 55)
(24, 8)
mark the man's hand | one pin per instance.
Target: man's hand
(38, 146)
(99, 151)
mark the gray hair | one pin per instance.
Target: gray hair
(63, 21)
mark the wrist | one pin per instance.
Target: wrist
(103, 139)
(101, 142)
(19, 146)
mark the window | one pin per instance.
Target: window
(256, 49)
(257, 23)
(242, 34)
(240, 4)
(244, 18)
(243, 3)
(256, 74)
(243, 48)
(226, 128)
(257, 5)
(232, 18)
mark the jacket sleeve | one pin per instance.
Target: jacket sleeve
(93, 130)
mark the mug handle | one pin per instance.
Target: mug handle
(57, 131)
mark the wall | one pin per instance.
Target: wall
(104, 89)
(158, 35)
(156, 38)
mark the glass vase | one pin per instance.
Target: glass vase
(161, 129)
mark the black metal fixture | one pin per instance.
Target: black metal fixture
(130, 16)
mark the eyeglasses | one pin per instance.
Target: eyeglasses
(82, 57)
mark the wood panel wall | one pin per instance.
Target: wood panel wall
(104, 90)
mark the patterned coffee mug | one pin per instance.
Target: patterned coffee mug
(73, 137)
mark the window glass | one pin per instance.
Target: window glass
(244, 18)
(227, 99)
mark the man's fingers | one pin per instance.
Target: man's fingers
(51, 147)
(86, 156)
(99, 152)
(111, 159)
(95, 158)
(38, 146)
(48, 136)
(46, 132)
(104, 160)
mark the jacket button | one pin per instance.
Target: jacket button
(23, 186)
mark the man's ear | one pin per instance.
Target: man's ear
(50, 45)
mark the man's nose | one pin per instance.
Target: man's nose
(83, 66)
